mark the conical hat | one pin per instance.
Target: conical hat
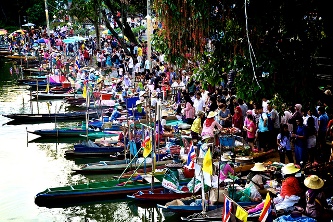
(289, 168)
(313, 182)
(258, 167)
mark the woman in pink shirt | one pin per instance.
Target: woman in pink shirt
(189, 110)
(209, 125)
(251, 129)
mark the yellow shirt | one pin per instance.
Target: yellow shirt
(139, 51)
(196, 125)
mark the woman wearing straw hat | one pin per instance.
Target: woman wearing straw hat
(209, 125)
(315, 199)
(255, 179)
(139, 111)
(290, 186)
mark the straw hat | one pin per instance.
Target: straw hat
(164, 113)
(154, 94)
(200, 113)
(120, 107)
(206, 137)
(258, 167)
(225, 157)
(289, 168)
(138, 102)
(313, 182)
(141, 93)
(211, 114)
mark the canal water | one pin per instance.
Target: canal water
(29, 168)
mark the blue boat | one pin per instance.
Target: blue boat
(91, 149)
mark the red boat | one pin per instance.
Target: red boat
(158, 195)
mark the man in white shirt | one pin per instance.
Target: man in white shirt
(177, 84)
(198, 103)
(130, 66)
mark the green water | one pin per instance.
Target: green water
(29, 168)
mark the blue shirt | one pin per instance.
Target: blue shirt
(261, 127)
(323, 118)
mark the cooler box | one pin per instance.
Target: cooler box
(66, 85)
(106, 96)
(227, 141)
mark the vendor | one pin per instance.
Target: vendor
(196, 125)
(255, 179)
(290, 186)
(209, 125)
(316, 203)
(116, 113)
(138, 111)
(225, 168)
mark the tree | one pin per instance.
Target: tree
(275, 38)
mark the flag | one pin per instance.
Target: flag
(241, 214)
(226, 211)
(147, 146)
(11, 70)
(207, 165)
(171, 182)
(266, 210)
(47, 88)
(84, 93)
(190, 158)
(77, 64)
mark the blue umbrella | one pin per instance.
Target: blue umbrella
(40, 41)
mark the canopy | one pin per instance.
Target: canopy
(106, 32)
(3, 31)
(74, 39)
(21, 31)
(29, 24)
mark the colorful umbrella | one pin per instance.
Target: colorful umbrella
(3, 31)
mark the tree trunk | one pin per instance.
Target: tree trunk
(115, 34)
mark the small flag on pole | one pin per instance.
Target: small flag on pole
(11, 70)
(266, 210)
(226, 209)
(207, 165)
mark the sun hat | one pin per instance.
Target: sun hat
(141, 93)
(154, 94)
(138, 102)
(313, 182)
(211, 114)
(164, 113)
(119, 107)
(225, 157)
(258, 167)
(200, 113)
(207, 137)
(289, 168)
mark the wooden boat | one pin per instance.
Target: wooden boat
(100, 134)
(157, 196)
(62, 132)
(31, 79)
(5, 52)
(50, 95)
(187, 209)
(23, 57)
(97, 191)
(48, 117)
(216, 215)
(114, 167)
(86, 149)
(75, 101)
(42, 84)
(56, 140)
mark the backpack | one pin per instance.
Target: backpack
(270, 123)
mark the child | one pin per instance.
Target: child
(283, 142)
